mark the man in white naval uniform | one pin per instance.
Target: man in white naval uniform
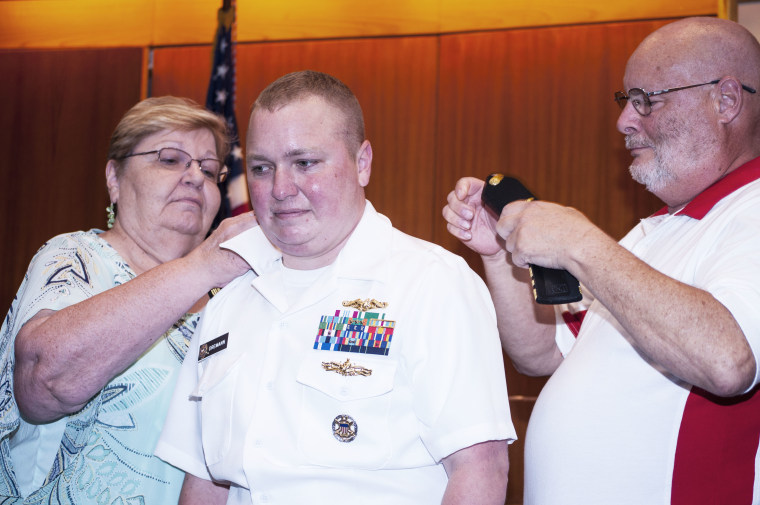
(354, 363)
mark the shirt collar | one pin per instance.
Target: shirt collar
(706, 200)
(366, 253)
(254, 247)
(362, 257)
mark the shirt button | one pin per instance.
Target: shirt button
(270, 385)
(258, 443)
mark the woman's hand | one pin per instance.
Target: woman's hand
(222, 264)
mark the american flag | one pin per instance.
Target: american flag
(220, 98)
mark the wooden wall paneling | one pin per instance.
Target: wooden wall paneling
(537, 103)
(59, 108)
(394, 80)
(182, 71)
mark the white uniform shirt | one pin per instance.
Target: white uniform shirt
(609, 426)
(263, 411)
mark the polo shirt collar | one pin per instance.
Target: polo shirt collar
(698, 207)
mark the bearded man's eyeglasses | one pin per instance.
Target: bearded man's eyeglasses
(640, 98)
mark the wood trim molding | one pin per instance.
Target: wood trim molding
(160, 23)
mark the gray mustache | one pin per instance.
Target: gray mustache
(633, 143)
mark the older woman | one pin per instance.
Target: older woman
(102, 320)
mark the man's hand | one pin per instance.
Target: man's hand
(469, 221)
(545, 234)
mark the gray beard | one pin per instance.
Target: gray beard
(653, 175)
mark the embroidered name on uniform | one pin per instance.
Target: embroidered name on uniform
(212, 346)
(355, 331)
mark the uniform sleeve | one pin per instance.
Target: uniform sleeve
(458, 380)
(180, 443)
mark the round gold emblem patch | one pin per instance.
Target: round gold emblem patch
(344, 428)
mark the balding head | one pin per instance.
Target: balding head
(702, 49)
(709, 125)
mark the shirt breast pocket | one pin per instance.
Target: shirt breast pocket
(345, 419)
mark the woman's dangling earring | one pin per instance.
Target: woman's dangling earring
(111, 213)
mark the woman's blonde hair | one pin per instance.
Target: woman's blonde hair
(156, 114)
